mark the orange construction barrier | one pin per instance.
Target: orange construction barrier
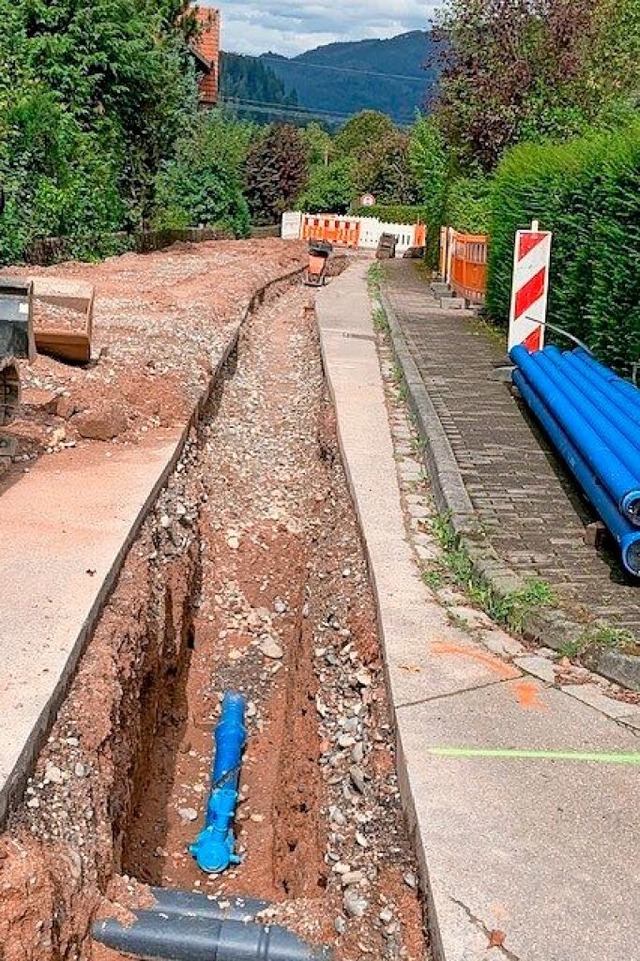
(467, 272)
(419, 235)
(339, 231)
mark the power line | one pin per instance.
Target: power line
(283, 107)
(265, 58)
(292, 110)
(286, 111)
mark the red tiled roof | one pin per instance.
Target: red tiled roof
(206, 46)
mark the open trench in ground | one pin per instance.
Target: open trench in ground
(248, 574)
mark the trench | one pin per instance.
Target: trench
(250, 575)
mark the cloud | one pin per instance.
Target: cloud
(293, 26)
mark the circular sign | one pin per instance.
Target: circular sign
(367, 200)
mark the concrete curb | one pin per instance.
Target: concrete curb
(549, 628)
(13, 781)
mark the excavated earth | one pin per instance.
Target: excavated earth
(248, 574)
(160, 322)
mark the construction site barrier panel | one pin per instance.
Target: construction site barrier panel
(463, 263)
(356, 232)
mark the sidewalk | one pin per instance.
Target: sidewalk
(522, 798)
(530, 513)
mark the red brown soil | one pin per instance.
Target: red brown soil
(160, 320)
(256, 535)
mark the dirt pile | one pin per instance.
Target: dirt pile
(159, 323)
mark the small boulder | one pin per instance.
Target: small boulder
(102, 422)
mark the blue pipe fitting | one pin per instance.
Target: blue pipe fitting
(214, 848)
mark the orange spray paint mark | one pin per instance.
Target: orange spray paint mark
(528, 696)
(494, 664)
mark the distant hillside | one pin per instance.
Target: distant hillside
(250, 81)
(341, 78)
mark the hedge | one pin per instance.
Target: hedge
(468, 204)
(587, 192)
(393, 214)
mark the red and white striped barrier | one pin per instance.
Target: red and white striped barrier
(530, 288)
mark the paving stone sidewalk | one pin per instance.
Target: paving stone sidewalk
(527, 503)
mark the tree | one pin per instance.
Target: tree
(330, 189)
(320, 148)
(513, 69)
(362, 131)
(431, 166)
(203, 183)
(57, 179)
(384, 170)
(256, 88)
(276, 172)
(119, 67)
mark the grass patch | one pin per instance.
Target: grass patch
(512, 609)
(433, 578)
(400, 382)
(600, 638)
(376, 275)
(380, 322)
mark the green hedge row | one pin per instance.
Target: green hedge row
(587, 192)
(468, 204)
(393, 214)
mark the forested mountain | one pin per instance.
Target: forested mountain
(343, 78)
(248, 80)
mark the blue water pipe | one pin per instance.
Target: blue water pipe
(629, 391)
(601, 416)
(627, 536)
(622, 485)
(214, 848)
(627, 420)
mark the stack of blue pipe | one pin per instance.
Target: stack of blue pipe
(593, 418)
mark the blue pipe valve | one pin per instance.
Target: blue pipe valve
(214, 848)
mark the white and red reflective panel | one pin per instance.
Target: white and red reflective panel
(530, 289)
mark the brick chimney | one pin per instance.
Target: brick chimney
(207, 49)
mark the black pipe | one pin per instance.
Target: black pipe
(162, 936)
(189, 904)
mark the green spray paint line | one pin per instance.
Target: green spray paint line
(516, 753)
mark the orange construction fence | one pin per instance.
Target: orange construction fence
(340, 232)
(463, 263)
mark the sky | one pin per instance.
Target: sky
(291, 26)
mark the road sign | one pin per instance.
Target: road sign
(530, 288)
(367, 200)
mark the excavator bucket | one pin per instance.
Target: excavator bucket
(16, 319)
(16, 340)
(63, 318)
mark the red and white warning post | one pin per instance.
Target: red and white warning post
(530, 288)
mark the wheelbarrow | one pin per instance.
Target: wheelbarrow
(319, 251)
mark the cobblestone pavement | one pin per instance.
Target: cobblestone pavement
(528, 504)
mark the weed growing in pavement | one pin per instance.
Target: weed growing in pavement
(418, 445)
(375, 277)
(511, 609)
(380, 322)
(400, 382)
(433, 578)
(601, 637)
